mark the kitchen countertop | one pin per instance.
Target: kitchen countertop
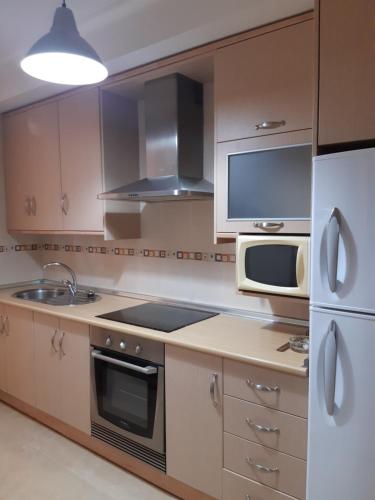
(243, 339)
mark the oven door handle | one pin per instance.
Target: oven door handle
(146, 370)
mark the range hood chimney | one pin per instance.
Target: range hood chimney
(174, 144)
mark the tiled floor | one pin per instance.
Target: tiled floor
(39, 464)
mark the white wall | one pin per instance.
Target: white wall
(14, 265)
(177, 226)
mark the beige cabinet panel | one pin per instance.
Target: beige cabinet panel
(268, 78)
(47, 364)
(287, 474)
(346, 71)
(288, 393)
(265, 426)
(20, 356)
(194, 425)
(75, 374)
(43, 165)
(17, 172)
(81, 162)
(2, 349)
(236, 487)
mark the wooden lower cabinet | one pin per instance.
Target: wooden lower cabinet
(2, 349)
(194, 419)
(236, 487)
(19, 354)
(62, 366)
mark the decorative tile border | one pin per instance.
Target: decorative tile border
(225, 258)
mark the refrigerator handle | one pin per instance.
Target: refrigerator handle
(333, 233)
(330, 357)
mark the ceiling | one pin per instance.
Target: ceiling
(125, 33)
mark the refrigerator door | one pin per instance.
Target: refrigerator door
(341, 436)
(343, 231)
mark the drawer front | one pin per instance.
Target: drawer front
(269, 388)
(285, 473)
(266, 426)
(237, 487)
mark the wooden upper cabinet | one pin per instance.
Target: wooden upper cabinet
(194, 418)
(33, 169)
(267, 79)
(346, 71)
(81, 161)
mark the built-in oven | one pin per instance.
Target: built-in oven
(127, 397)
(273, 264)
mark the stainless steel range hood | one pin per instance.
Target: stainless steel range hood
(174, 144)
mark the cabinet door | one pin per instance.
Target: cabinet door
(268, 78)
(43, 163)
(75, 374)
(346, 71)
(81, 164)
(2, 349)
(20, 359)
(47, 364)
(261, 180)
(194, 421)
(17, 172)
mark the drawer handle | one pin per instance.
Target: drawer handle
(261, 428)
(261, 387)
(270, 124)
(247, 497)
(260, 467)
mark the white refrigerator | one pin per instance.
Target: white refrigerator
(341, 437)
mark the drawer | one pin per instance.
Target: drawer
(285, 473)
(265, 387)
(266, 426)
(237, 487)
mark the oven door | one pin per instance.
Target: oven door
(275, 265)
(128, 397)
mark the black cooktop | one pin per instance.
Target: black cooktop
(158, 316)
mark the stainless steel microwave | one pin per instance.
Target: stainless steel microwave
(273, 264)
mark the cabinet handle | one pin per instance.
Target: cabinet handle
(61, 340)
(6, 326)
(28, 206)
(261, 387)
(213, 385)
(333, 233)
(260, 467)
(53, 341)
(65, 204)
(2, 327)
(261, 428)
(247, 497)
(269, 225)
(269, 125)
(33, 206)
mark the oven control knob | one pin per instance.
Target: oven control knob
(123, 345)
(108, 341)
(138, 349)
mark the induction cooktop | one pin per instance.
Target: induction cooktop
(160, 317)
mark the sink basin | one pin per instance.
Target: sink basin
(57, 296)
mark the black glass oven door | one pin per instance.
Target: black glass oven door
(274, 265)
(125, 397)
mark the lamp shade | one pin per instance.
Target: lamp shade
(63, 56)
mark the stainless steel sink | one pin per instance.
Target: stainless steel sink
(57, 296)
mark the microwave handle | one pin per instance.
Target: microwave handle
(333, 233)
(147, 370)
(300, 267)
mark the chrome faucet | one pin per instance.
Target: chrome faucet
(70, 284)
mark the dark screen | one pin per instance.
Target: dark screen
(272, 264)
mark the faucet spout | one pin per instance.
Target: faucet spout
(70, 284)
